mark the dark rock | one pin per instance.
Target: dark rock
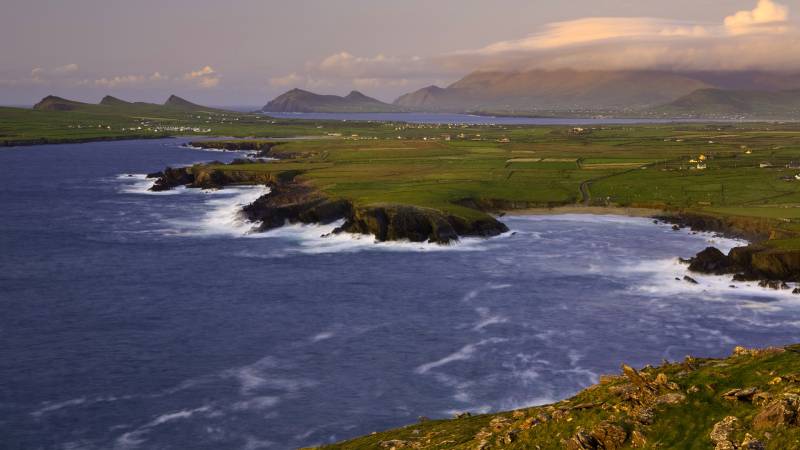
(295, 203)
(711, 260)
(171, 178)
(796, 291)
(689, 279)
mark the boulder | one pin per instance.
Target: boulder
(711, 260)
(722, 433)
(171, 178)
(604, 436)
(780, 412)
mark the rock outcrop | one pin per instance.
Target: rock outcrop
(753, 262)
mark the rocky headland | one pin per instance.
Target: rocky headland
(292, 200)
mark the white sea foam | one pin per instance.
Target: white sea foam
(138, 183)
(223, 215)
(664, 278)
(256, 403)
(135, 438)
(464, 353)
(51, 407)
(322, 336)
(487, 319)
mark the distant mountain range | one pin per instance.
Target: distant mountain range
(539, 91)
(298, 100)
(729, 103)
(113, 104)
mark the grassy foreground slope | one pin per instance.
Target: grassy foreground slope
(750, 400)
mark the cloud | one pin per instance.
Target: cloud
(68, 68)
(744, 40)
(583, 31)
(767, 15)
(291, 80)
(205, 78)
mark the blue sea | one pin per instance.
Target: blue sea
(134, 320)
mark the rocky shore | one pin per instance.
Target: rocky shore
(771, 267)
(293, 201)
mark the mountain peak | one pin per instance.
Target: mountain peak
(179, 102)
(109, 100)
(54, 103)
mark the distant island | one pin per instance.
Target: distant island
(298, 100)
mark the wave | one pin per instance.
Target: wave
(665, 278)
(223, 215)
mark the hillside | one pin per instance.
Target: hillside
(750, 400)
(53, 103)
(570, 90)
(751, 104)
(298, 100)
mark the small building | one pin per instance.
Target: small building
(764, 165)
(797, 177)
(504, 140)
(701, 166)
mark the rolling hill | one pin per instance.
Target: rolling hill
(298, 100)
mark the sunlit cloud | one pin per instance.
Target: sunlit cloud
(743, 40)
(67, 68)
(290, 80)
(206, 77)
(767, 16)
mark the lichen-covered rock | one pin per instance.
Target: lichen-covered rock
(722, 433)
(604, 436)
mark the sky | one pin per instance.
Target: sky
(245, 52)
